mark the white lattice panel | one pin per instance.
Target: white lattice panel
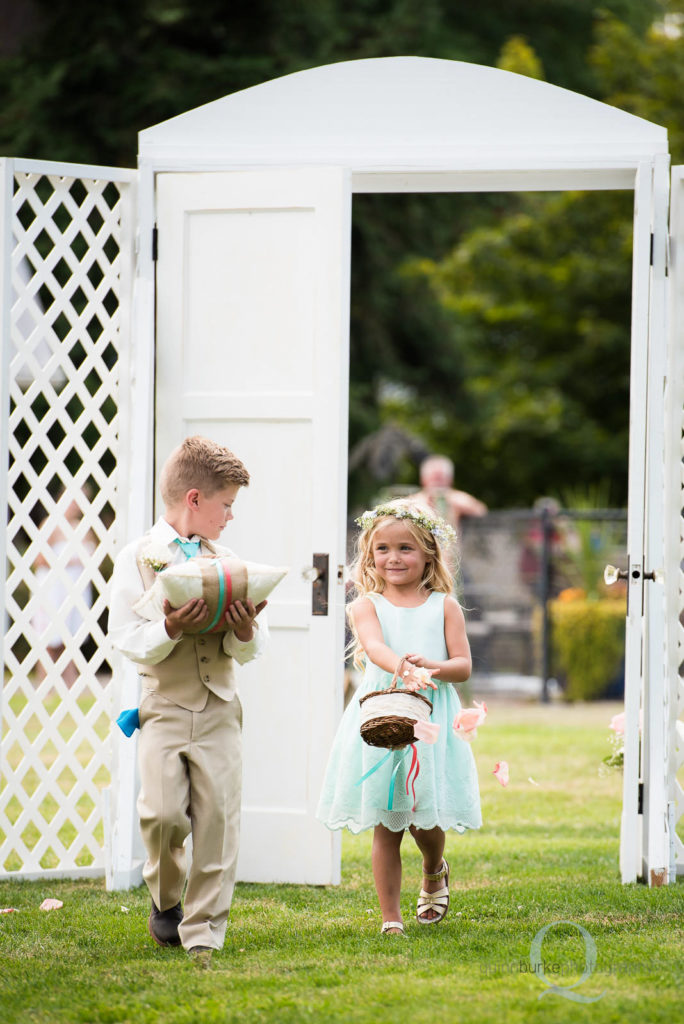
(69, 244)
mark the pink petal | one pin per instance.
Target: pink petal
(50, 904)
(501, 772)
(426, 731)
(9, 910)
(617, 723)
(468, 719)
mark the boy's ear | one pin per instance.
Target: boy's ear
(192, 498)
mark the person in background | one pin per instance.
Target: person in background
(438, 492)
(60, 589)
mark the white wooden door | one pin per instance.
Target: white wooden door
(252, 350)
(674, 534)
(643, 840)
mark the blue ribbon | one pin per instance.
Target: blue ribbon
(393, 779)
(390, 795)
(129, 721)
(222, 593)
(190, 548)
(374, 768)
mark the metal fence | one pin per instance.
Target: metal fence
(514, 563)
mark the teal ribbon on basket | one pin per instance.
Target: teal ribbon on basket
(413, 770)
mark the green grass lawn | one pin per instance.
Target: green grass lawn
(548, 852)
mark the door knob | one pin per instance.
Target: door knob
(611, 574)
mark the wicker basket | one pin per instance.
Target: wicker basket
(388, 716)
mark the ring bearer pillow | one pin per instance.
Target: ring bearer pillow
(219, 580)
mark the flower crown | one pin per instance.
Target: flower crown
(435, 525)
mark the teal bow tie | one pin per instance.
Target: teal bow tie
(190, 547)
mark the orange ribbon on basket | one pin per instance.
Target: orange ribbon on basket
(415, 762)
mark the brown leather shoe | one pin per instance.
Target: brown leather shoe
(163, 925)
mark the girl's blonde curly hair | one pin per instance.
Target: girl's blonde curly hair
(439, 569)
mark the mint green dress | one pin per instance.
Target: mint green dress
(446, 788)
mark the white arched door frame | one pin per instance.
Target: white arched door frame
(643, 842)
(402, 124)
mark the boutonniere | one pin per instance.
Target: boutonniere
(157, 556)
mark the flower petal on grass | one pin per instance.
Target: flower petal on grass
(9, 910)
(530, 779)
(51, 904)
(501, 772)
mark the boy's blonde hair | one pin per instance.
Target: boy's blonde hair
(201, 463)
(438, 573)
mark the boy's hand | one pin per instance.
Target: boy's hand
(187, 619)
(241, 616)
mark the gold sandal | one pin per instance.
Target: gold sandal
(437, 901)
(386, 925)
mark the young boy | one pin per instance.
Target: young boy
(190, 713)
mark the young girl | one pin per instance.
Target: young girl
(405, 608)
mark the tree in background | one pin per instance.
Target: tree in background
(539, 309)
(87, 77)
(540, 323)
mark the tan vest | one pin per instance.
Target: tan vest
(196, 665)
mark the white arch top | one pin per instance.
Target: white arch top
(411, 113)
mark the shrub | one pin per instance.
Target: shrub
(587, 645)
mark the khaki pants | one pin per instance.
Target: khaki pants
(191, 781)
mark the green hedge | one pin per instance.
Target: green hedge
(587, 645)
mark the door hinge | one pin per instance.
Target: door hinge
(640, 804)
(650, 258)
(155, 243)
(319, 590)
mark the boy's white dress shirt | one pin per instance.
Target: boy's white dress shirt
(148, 643)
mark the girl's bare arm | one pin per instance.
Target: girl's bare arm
(369, 632)
(367, 627)
(459, 665)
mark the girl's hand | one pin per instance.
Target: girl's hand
(418, 660)
(418, 678)
(187, 619)
(241, 617)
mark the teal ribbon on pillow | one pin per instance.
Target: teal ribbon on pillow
(222, 602)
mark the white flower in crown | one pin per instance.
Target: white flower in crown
(435, 525)
(156, 555)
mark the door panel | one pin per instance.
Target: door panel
(252, 351)
(643, 839)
